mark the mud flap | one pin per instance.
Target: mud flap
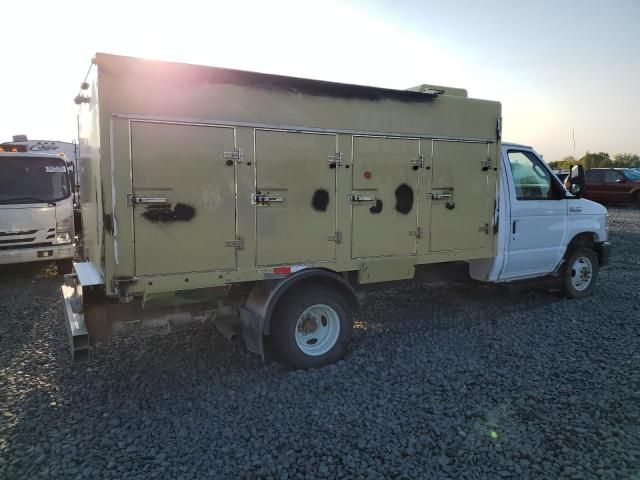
(252, 328)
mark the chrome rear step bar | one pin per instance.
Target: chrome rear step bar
(78, 334)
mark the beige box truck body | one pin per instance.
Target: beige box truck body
(199, 179)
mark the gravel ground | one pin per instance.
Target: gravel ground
(443, 381)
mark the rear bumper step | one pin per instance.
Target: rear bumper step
(77, 330)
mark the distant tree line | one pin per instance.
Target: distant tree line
(602, 159)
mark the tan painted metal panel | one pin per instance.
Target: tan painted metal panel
(460, 192)
(425, 177)
(117, 244)
(387, 269)
(165, 89)
(89, 164)
(245, 211)
(383, 170)
(140, 91)
(186, 165)
(295, 168)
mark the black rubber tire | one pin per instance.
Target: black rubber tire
(64, 266)
(286, 316)
(568, 289)
(635, 200)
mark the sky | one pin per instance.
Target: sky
(560, 68)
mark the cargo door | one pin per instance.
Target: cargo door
(295, 197)
(183, 198)
(461, 217)
(384, 196)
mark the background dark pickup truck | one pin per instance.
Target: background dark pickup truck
(613, 185)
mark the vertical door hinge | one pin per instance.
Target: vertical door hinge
(418, 162)
(336, 237)
(486, 164)
(335, 160)
(416, 233)
(238, 243)
(484, 228)
(499, 128)
(236, 155)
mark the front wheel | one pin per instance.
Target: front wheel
(312, 327)
(580, 273)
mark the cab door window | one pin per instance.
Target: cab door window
(531, 179)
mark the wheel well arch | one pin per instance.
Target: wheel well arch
(265, 297)
(583, 239)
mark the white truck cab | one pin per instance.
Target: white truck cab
(36, 208)
(542, 228)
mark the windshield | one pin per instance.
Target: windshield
(33, 180)
(633, 174)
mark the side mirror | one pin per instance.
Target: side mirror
(577, 180)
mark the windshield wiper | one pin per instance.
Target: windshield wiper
(33, 200)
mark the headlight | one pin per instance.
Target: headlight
(64, 230)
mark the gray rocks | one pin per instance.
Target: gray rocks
(443, 381)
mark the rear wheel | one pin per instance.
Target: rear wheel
(580, 273)
(312, 327)
(635, 199)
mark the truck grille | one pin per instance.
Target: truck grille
(23, 240)
(26, 245)
(24, 232)
(26, 238)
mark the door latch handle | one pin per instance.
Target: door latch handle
(133, 199)
(262, 199)
(439, 196)
(358, 198)
(513, 227)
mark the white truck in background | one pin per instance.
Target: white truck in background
(69, 151)
(66, 150)
(36, 206)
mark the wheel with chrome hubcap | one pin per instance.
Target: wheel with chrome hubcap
(312, 327)
(317, 329)
(580, 273)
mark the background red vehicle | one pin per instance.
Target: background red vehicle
(613, 185)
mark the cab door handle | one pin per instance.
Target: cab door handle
(514, 227)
